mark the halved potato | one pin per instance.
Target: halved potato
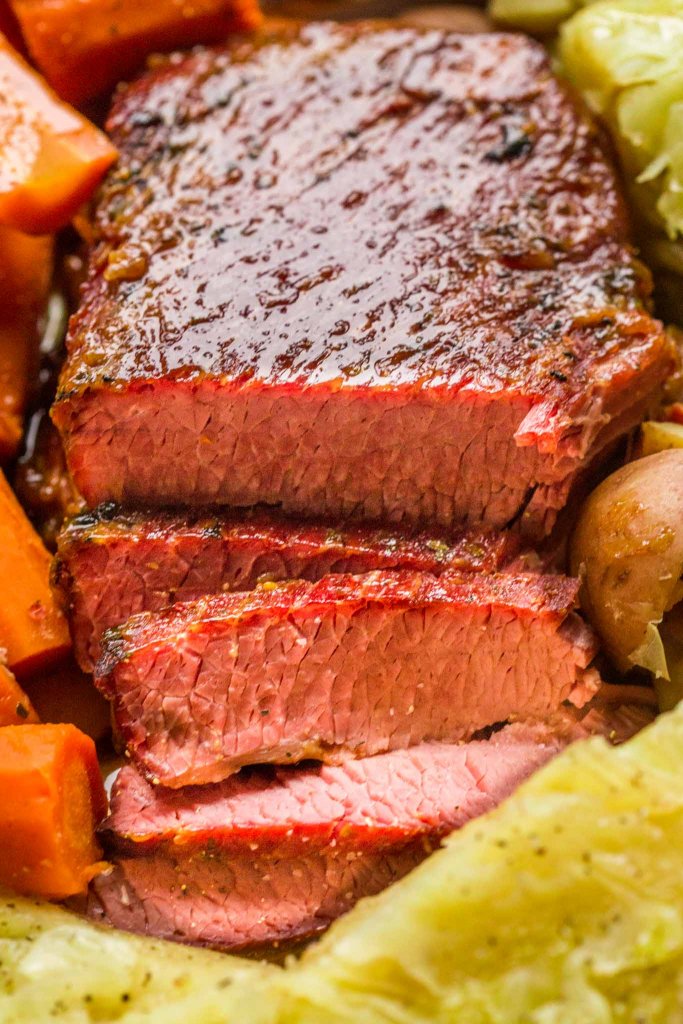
(628, 549)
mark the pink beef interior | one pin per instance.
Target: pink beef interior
(276, 855)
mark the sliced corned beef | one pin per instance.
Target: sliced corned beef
(273, 855)
(114, 564)
(350, 665)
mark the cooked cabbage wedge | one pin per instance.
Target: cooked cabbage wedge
(625, 58)
(55, 966)
(564, 906)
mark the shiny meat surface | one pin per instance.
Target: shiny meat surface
(358, 207)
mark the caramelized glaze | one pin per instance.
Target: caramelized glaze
(360, 206)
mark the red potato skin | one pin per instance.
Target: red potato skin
(627, 548)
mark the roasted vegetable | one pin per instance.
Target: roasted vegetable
(84, 47)
(628, 547)
(15, 707)
(51, 799)
(52, 158)
(25, 275)
(625, 57)
(33, 629)
(564, 906)
(56, 967)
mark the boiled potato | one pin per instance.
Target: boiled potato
(628, 549)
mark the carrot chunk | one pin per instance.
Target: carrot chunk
(15, 707)
(84, 47)
(33, 629)
(51, 799)
(25, 274)
(52, 157)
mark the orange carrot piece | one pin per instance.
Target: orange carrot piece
(33, 629)
(51, 799)
(25, 275)
(84, 47)
(68, 695)
(52, 157)
(15, 707)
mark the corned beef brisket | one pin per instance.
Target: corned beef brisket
(113, 563)
(357, 271)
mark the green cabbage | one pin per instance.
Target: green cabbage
(626, 58)
(56, 968)
(563, 906)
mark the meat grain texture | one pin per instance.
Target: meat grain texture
(358, 271)
(349, 273)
